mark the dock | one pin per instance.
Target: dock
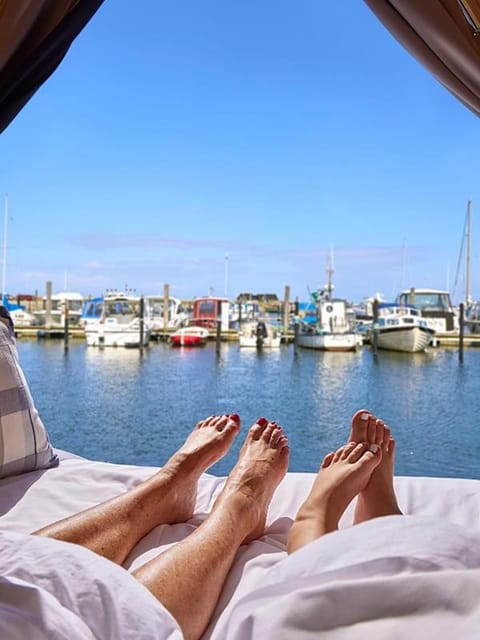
(443, 340)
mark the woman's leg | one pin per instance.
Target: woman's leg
(342, 476)
(378, 498)
(188, 578)
(114, 527)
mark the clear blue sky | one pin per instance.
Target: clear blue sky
(175, 134)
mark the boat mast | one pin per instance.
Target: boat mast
(329, 286)
(4, 260)
(467, 253)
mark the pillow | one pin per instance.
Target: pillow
(24, 443)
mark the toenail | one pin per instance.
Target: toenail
(364, 416)
(262, 422)
(373, 448)
(235, 417)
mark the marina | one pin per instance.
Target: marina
(136, 407)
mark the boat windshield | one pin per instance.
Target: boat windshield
(434, 301)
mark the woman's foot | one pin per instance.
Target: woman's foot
(342, 476)
(262, 464)
(378, 498)
(209, 441)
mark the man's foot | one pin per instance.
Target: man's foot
(378, 498)
(209, 441)
(342, 476)
(262, 464)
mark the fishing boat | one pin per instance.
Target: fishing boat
(123, 322)
(189, 337)
(260, 334)
(332, 328)
(401, 328)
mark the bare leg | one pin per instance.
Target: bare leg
(342, 476)
(378, 498)
(187, 578)
(114, 527)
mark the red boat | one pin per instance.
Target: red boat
(189, 337)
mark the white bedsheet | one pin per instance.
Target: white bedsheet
(267, 594)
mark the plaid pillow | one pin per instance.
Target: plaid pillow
(24, 443)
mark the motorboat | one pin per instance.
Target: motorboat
(123, 323)
(401, 328)
(171, 317)
(435, 306)
(192, 336)
(259, 334)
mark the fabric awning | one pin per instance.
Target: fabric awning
(444, 36)
(35, 35)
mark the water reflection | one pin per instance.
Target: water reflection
(120, 405)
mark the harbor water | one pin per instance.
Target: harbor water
(125, 406)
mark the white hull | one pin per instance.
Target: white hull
(259, 335)
(407, 339)
(329, 341)
(113, 335)
(252, 342)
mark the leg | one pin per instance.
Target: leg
(187, 578)
(378, 498)
(113, 528)
(341, 477)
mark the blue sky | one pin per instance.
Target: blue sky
(225, 147)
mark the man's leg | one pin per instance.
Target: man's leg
(188, 578)
(114, 527)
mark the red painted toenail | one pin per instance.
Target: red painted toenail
(235, 417)
(262, 422)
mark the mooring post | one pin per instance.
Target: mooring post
(296, 329)
(461, 332)
(142, 315)
(286, 311)
(218, 335)
(375, 327)
(65, 324)
(166, 304)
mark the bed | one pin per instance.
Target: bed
(376, 582)
(399, 576)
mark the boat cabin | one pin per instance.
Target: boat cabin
(207, 311)
(435, 305)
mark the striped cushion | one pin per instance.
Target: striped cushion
(24, 443)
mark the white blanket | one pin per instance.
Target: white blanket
(394, 577)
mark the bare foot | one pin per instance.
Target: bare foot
(342, 476)
(209, 441)
(261, 465)
(378, 498)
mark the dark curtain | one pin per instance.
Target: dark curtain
(443, 35)
(35, 35)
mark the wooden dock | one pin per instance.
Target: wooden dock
(443, 340)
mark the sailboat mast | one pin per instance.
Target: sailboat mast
(467, 253)
(329, 273)
(4, 259)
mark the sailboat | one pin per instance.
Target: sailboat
(332, 329)
(472, 307)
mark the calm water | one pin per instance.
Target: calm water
(120, 406)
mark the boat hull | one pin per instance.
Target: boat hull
(329, 341)
(405, 339)
(189, 337)
(259, 343)
(100, 337)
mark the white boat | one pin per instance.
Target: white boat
(401, 328)
(435, 306)
(334, 328)
(121, 323)
(259, 334)
(174, 317)
(63, 306)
